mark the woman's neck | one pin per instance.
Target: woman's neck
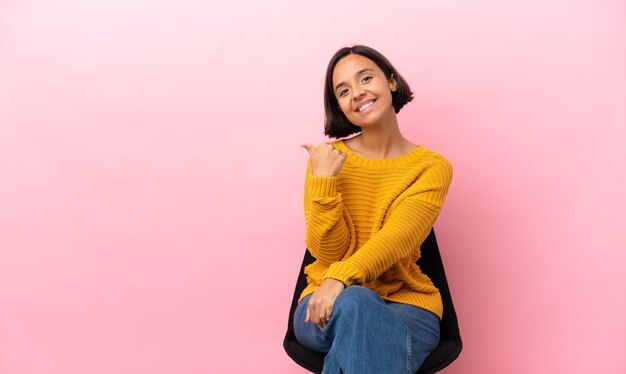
(380, 143)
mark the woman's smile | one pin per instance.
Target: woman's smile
(366, 106)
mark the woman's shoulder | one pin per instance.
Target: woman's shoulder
(437, 168)
(435, 161)
(431, 154)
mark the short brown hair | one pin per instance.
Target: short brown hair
(336, 124)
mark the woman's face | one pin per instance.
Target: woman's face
(362, 90)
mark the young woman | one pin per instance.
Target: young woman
(369, 202)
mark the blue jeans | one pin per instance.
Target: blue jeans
(368, 335)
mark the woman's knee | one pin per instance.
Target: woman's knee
(353, 298)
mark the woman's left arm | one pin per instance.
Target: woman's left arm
(405, 229)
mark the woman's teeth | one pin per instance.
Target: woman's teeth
(365, 106)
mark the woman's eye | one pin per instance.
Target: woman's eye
(366, 79)
(343, 92)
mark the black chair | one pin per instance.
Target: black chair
(450, 344)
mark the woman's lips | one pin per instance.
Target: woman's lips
(366, 107)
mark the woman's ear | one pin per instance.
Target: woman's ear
(393, 83)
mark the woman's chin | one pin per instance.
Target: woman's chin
(368, 123)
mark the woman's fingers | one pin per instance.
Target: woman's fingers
(313, 310)
(316, 312)
(309, 147)
(326, 160)
(321, 303)
(326, 315)
(324, 150)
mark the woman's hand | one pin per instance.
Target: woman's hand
(322, 301)
(325, 161)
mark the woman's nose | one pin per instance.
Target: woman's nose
(358, 92)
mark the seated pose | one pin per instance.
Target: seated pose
(369, 201)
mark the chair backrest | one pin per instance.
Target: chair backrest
(430, 263)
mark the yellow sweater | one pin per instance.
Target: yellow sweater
(365, 225)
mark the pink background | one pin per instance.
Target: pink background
(150, 201)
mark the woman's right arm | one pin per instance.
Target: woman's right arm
(328, 227)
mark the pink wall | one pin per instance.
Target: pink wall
(150, 201)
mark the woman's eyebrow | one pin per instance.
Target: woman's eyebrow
(357, 73)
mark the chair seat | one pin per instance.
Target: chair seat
(446, 352)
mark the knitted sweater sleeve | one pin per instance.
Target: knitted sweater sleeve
(404, 230)
(328, 229)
